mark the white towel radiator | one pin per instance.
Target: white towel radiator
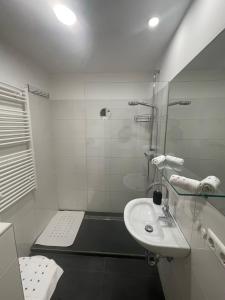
(17, 167)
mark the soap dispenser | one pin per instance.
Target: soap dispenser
(157, 197)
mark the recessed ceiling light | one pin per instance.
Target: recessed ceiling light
(65, 15)
(153, 22)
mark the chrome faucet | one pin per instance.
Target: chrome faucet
(166, 210)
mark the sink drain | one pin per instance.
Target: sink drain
(149, 228)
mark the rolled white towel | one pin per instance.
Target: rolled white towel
(187, 184)
(175, 160)
(158, 160)
(209, 185)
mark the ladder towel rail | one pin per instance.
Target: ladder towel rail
(17, 166)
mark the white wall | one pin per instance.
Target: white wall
(18, 70)
(98, 162)
(31, 214)
(200, 276)
(202, 23)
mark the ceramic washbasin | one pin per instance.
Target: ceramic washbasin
(165, 240)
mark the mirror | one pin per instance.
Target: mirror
(196, 116)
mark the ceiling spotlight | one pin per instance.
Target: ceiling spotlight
(153, 22)
(65, 15)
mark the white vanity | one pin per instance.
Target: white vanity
(10, 280)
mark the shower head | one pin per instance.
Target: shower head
(132, 103)
(181, 102)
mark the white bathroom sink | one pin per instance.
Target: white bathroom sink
(165, 240)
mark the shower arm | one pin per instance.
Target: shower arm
(147, 105)
(134, 103)
(180, 102)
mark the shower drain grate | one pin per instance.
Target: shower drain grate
(103, 218)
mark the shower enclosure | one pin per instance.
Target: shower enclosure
(102, 161)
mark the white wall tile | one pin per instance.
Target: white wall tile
(97, 129)
(131, 182)
(78, 164)
(121, 113)
(123, 129)
(96, 147)
(68, 109)
(118, 90)
(120, 165)
(98, 165)
(72, 199)
(98, 181)
(125, 148)
(113, 146)
(70, 129)
(119, 199)
(68, 148)
(70, 178)
(99, 201)
(67, 87)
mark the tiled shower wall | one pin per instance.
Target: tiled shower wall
(100, 164)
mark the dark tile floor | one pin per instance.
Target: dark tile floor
(99, 236)
(105, 278)
(104, 263)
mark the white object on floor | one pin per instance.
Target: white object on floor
(175, 160)
(62, 229)
(40, 276)
(158, 160)
(185, 183)
(209, 185)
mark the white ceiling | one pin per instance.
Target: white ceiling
(111, 35)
